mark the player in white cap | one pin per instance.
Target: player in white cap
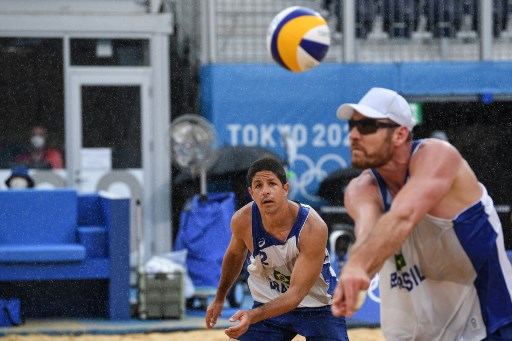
(426, 224)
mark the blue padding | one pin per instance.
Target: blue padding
(40, 231)
(509, 254)
(10, 314)
(90, 211)
(38, 216)
(48, 253)
(98, 268)
(94, 239)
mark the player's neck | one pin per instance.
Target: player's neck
(279, 221)
(395, 171)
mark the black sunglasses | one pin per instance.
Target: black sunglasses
(366, 127)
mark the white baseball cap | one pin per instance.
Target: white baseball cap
(380, 103)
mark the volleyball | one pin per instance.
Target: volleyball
(298, 38)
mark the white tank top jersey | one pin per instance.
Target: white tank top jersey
(451, 280)
(271, 264)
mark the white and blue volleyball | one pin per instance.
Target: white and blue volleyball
(298, 38)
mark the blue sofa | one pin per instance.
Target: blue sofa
(65, 254)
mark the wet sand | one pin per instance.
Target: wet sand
(355, 334)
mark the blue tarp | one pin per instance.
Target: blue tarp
(205, 233)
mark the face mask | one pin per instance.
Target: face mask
(37, 141)
(18, 183)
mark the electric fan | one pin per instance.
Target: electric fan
(193, 145)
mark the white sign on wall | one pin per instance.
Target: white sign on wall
(96, 159)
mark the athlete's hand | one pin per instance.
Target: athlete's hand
(352, 280)
(213, 311)
(245, 321)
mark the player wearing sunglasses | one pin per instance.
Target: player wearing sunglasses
(368, 126)
(426, 224)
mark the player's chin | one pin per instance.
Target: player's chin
(267, 204)
(357, 158)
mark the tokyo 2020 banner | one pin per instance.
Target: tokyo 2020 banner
(293, 114)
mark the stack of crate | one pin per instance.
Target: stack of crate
(161, 296)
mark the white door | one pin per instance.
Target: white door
(108, 128)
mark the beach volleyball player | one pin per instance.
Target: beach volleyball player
(426, 224)
(290, 277)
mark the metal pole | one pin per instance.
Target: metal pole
(208, 32)
(349, 35)
(204, 35)
(157, 178)
(140, 239)
(202, 179)
(212, 30)
(486, 37)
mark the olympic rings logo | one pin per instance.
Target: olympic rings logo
(301, 183)
(373, 289)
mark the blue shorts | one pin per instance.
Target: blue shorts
(312, 323)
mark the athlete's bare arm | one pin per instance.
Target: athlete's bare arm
(232, 262)
(307, 268)
(363, 203)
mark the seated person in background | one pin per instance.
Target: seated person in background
(19, 178)
(38, 155)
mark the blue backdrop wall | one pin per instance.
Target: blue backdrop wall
(263, 104)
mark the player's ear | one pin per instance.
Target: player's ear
(401, 134)
(286, 186)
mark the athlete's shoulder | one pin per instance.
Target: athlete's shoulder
(314, 221)
(242, 217)
(361, 191)
(435, 150)
(362, 182)
(296, 207)
(434, 146)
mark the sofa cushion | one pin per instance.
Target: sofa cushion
(38, 216)
(46, 253)
(94, 239)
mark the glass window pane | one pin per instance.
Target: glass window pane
(110, 52)
(31, 94)
(111, 118)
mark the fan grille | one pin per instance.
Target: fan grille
(193, 143)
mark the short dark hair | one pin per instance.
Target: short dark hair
(267, 164)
